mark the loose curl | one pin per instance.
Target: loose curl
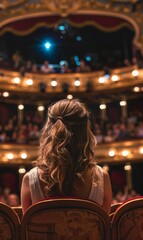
(67, 146)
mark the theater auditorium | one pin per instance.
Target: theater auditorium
(89, 51)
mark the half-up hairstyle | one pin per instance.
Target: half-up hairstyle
(67, 146)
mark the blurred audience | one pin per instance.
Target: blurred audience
(46, 67)
(122, 196)
(18, 63)
(17, 60)
(83, 67)
(65, 68)
(7, 197)
(106, 132)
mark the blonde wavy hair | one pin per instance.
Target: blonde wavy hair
(67, 146)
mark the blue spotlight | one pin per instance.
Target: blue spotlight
(78, 63)
(88, 58)
(61, 28)
(78, 38)
(76, 58)
(47, 45)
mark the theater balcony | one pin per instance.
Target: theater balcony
(122, 84)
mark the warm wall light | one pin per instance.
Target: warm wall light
(136, 89)
(29, 82)
(128, 167)
(115, 78)
(135, 73)
(20, 107)
(102, 80)
(125, 153)
(53, 83)
(111, 153)
(123, 103)
(77, 82)
(69, 96)
(5, 94)
(141, 150)
(22, 170)
(10, 156)
(41, 108)
(102, 106)
(16, 80)
(23, 155)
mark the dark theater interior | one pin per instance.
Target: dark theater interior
(89, 51)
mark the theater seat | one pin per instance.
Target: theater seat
(18, 210)
(127, 222)
(9, 223)
(65, 219)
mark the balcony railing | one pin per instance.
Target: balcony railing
(122, 152)
(97, 81)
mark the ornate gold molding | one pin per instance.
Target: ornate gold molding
(14, 10)
(125, 80)
(20, 9)
(63, 7)
(5, 4)
(11, 154)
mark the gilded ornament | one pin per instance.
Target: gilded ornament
(63, 7)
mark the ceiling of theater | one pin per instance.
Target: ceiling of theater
(132, 10)
(15, 9)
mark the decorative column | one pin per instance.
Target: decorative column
(103, 111)
(123, 105)
(20, 114)
(41, 109)
(128, 169)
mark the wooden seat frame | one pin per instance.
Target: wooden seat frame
(8, 213)
(66, 203)
(124, 209)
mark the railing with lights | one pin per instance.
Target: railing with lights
(17, 154)
(125, 152)
(72, 82)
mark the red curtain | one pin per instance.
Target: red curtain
(27, 26)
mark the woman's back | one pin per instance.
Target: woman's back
(91, 187)
(66, 163)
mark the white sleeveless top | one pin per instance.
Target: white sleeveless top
(96, 194)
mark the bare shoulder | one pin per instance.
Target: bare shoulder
(25, 193)
(25, 179)
(107, 182)
(105, 173)
(107, 192)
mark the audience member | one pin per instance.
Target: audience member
(108, 138)
(13, 200)
(34, 135)
(140, 130)
(66, 164)
(46, 67)
(83, 67)
(17, 60)
(122, 196)
(34, 68)
(28, 66)
(126, 62)
(65, 68)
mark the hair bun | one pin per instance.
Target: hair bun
(59, 118)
